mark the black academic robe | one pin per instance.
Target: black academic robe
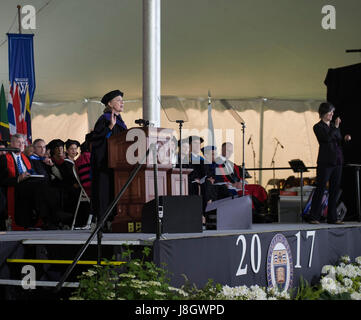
(102, 175)
(40, 168)
(66, 185)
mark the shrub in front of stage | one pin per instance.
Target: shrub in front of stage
(139, 279)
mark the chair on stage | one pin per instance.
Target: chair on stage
(83, 197)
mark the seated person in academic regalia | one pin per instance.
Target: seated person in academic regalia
(196, 162)
(40, 163)
(212, 191)
(43, 165)
(210, 154)
(82, 164)
(3, 144)
(228, 172)
(231, 176)
(27, 197)
(71, 150)
(3, 212)
(183, 153)
(29, 150)
(62, 177)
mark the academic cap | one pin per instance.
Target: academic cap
(111, 95)
(69, 142)
(55, 143)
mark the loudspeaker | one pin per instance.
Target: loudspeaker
(181, 214)
(229, 214)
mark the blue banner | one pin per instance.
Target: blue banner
(22, 83)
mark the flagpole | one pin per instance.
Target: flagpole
(19, 17)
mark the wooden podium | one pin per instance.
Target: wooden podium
(124, 153)
(173, 181)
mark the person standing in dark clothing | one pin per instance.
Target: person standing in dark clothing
(109, 123)
(329, 163)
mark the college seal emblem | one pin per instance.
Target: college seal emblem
(279, 264)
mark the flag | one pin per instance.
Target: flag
(11, 113)
(4, 123)
(27, 116)
(17, 109)
(211, 139)
(22, 82)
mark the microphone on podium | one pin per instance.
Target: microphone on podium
(142, 122)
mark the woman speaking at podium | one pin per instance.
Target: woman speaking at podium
(108, 124)
(329, 163)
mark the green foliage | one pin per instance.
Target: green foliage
(136, 279)
(307, 292)
(142, 279)
(209, 292)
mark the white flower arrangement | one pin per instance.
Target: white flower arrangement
(345, 259)
(343, 278)
(243, 293)
(358, 260)
(335, 280)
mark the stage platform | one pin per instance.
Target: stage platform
(137, 238)
(232, 257)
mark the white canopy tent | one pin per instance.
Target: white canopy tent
(268, 59)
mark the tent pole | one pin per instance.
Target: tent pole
(261, 142)
(151, 61)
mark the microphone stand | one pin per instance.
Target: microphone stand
(243, 164)
(159, 216)
(180, 160)
(254, 161)
(15, 150)
(154, 148)
(273, 165)
(101, 222)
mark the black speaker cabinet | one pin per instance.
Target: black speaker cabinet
(181, 214)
